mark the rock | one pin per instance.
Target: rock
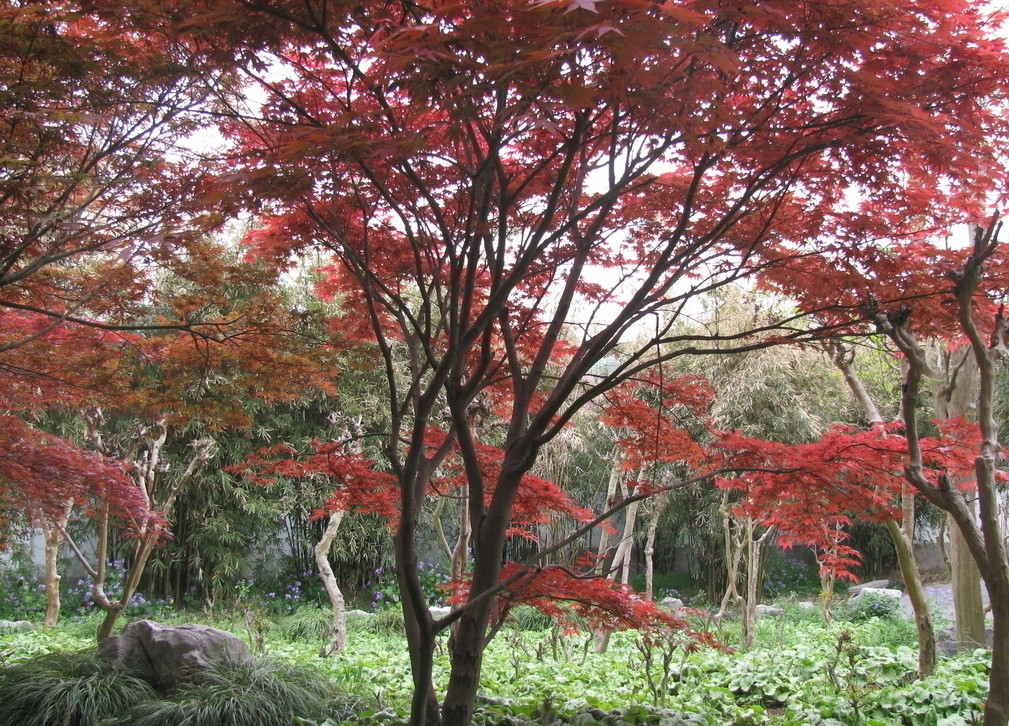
(946, 643)
(807, 605)
(671, 604)
(162, 655)
(873, 585)
(15, 625)
(770, 610)
(359, 614)
(439, 611)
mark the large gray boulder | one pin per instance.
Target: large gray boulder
(162, 655)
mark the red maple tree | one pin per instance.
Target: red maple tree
(527, 196)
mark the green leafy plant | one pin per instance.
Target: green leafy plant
(874, 605)
(306, 624)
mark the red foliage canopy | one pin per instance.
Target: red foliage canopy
(810, 492)
(41, 474)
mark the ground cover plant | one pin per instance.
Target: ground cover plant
(858, 671)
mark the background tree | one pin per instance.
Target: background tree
(47, 478)
(176, 386)
(948, 294)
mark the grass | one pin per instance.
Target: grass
(68, 689)
(271, 693)
(853, 672)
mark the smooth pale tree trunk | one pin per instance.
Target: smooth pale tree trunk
(460, 553)
(338, 629)
(733, 543)
(956, 397)
(612, 485)
(52, 531)
(659, 505)
(52, 576)
(755, 547)
(149, 442)
(625, 550)
(620, 569)
(968, 606)
(902, 534)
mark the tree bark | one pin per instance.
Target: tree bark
(754, 560)
(620, 569)
(916, 593)
(659, 505)
(733, 542)
(52, 531)
(52, 576)
(604, 533)
(957, 397)
(968, 606)
(338, 630)
(901, 535)
(983, 536)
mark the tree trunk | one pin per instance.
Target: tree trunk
(659, 504)
(460, 553)
(469, 637)
(968, 606)
(733, 558)
(754, 560)
(338, 630)
(625, 550)
(52, 576)
(957, 397)
(982, 533)
(621, 562)
(419, 628)
(604, 532)
(53, 533)
(901, 535)
(916, 592)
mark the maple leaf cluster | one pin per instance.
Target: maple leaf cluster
(41, 474)
(811, 492)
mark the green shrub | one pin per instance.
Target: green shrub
(529, 618)
(385, 622)
(306, 625)
(66, 689)
(22, 592)
(873, 605)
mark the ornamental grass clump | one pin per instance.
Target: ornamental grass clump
(269, 693)
(69, 689)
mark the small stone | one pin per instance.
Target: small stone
(947, 644)
(872, 585)
(770, 610)
(671, 604)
